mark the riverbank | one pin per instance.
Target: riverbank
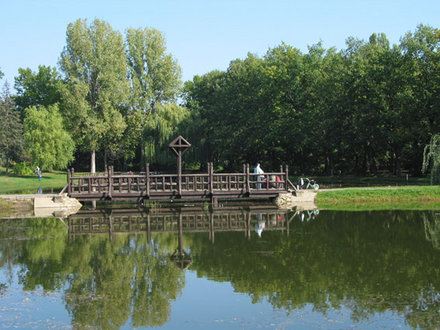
(404, 197)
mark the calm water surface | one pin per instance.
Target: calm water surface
(249, 267)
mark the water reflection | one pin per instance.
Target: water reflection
(179, 220)
(118, 266)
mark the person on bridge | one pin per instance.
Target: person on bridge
(259, 170)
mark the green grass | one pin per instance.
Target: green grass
(11, 184)
(370, 181)
(405, 197)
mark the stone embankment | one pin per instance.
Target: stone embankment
(41, 205)
(301, 199)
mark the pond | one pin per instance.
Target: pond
(235, 267)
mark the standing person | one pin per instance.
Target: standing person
(38, 171)
(259, 170)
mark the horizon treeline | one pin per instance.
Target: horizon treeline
(369, 108)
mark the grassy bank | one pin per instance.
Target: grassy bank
(10, 184)
(405, 197)
(370, 181)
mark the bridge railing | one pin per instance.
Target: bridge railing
(149, 183)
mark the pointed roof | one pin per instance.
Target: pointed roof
(179, 144)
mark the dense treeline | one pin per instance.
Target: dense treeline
(367, 108)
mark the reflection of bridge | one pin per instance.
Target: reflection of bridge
(185, 219)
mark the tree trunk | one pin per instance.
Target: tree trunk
(92, 162)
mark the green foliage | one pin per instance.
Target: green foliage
(11, 130)
(431, 159)
(323, 111)
(23, 169)
(49, 145)
(37, 89)
(161, 127)
(154, 75)
(94, 64)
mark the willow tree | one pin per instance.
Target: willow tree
(431, 159)
(48, 143)
(160, 128)
(95, 68)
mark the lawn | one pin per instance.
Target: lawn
(403, 197)
(51, 182)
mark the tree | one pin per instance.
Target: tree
(49, 145)
(431, 159)
(11, 130)
(37, 89)
(155, 79)
(94, 64)
(160, 128)
(155, 76)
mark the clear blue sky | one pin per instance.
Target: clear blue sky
(205, 35)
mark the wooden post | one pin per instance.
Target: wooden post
(72, 174)
(244, 178)
(110, 181)
(147, 179)
(211, 177)
(248, 185)
(89, 184)
(179, 172)
(69, 187)
(287, 178)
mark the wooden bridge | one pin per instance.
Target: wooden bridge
(148, 185)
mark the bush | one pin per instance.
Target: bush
(23, 169)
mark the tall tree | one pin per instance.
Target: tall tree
(42, 88)
(155, 75)
(155, 79)
(11, 130)
(49, 145)
(94, 64)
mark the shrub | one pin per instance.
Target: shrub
(23, 169)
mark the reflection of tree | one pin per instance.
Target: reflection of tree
(111, 281)
(431, 220)
(105, 282)
(367, 262)
(43, 253)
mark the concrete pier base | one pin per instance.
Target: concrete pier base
(41, 205)
(304, 199)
